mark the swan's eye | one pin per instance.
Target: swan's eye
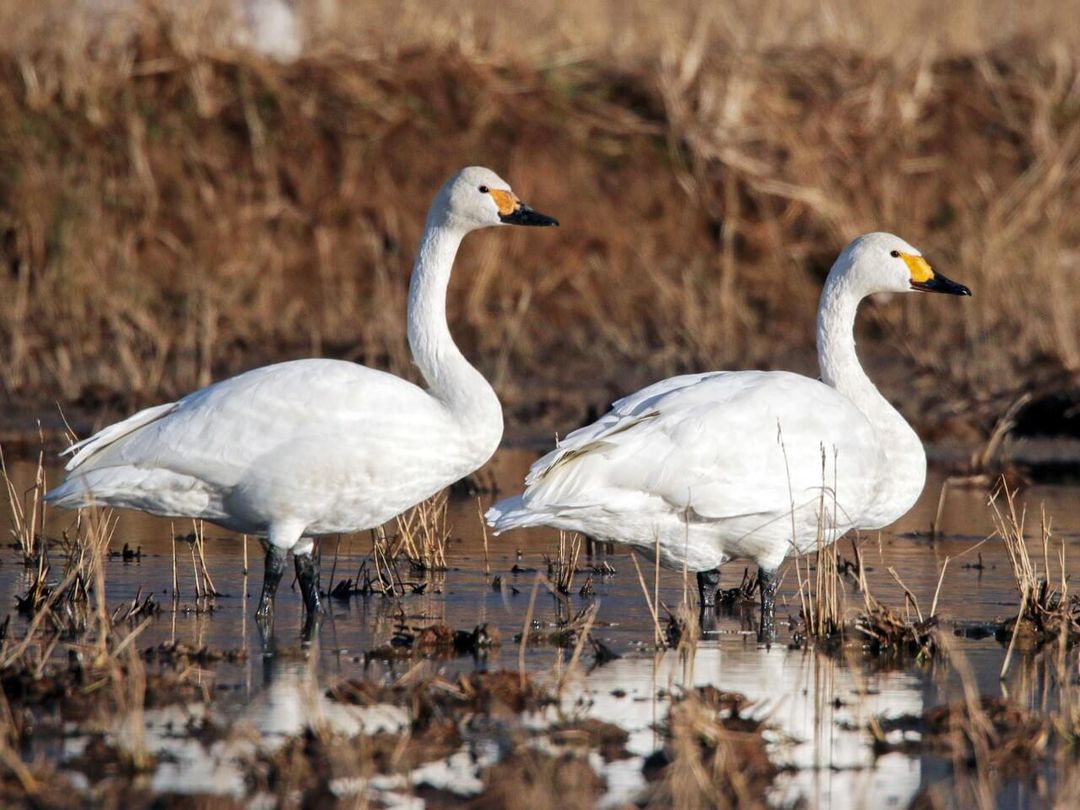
(484, 189)
(895, 254)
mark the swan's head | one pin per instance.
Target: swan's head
(476, 197)
(881, 262)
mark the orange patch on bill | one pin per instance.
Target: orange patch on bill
(506, 201)
(920, 269)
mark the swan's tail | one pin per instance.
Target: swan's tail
(157, 491)
(72, 494)
(512, 513)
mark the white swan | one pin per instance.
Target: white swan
(741, 464)
(313, 447)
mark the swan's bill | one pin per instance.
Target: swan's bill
(923, 277)
(940, 284)
(513, 211)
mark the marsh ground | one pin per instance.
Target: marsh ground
(228, 718)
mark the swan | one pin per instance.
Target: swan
(724, 464)
(295, 450)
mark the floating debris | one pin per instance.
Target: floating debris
(129, 554)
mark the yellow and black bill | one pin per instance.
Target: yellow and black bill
(925, 278)
(513, 211)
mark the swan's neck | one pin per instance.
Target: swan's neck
(905, 471)
(450, 377)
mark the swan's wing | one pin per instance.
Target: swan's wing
(720, 445)
(217, 433)
(625, 413)
(80, 451)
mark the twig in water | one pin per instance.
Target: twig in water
(175, 578)
(525, 631)
(937, 590)
(658, 634)
(935, 525)
(1015, 633)
(483, 529)
(912, 599)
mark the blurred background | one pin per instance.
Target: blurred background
(190, 189)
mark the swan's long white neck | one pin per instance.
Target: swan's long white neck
(450, 377)
(904, 473)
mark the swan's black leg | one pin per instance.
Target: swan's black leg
(307, 574)
(767, 582)
(275, 567)
(708, 582)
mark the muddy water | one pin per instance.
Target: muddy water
(818, 706)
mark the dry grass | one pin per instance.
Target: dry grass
(1047, 612)
(882, 633)
(562, 568)
(176, 209)
(27, 512)
(423, 533)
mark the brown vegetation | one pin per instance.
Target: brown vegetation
(714, 755)
(175, 209)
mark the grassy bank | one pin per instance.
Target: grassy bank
(174, 209)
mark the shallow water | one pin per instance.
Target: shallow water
(819, 706)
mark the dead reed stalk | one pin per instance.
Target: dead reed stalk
(423, 533)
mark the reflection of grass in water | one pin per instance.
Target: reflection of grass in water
(990, 740)
(1031, 736)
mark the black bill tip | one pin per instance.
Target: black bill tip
(940, 284)
(523, 215)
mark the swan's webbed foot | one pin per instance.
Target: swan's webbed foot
(275, 568)
(767, 582)
(307, 574)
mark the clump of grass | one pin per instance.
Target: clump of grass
(885, 633)
(823, 599)
(423, 533)
(893, 635)
(985, 732)
(1047, 611)
(561, 569)
(205, 591)
(27, 511)
(422, 536)
(989, 739)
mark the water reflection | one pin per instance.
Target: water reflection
(819, 711)
(276, 686)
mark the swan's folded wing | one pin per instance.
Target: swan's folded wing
(625, 414)
(718, 445)
(218, 432)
